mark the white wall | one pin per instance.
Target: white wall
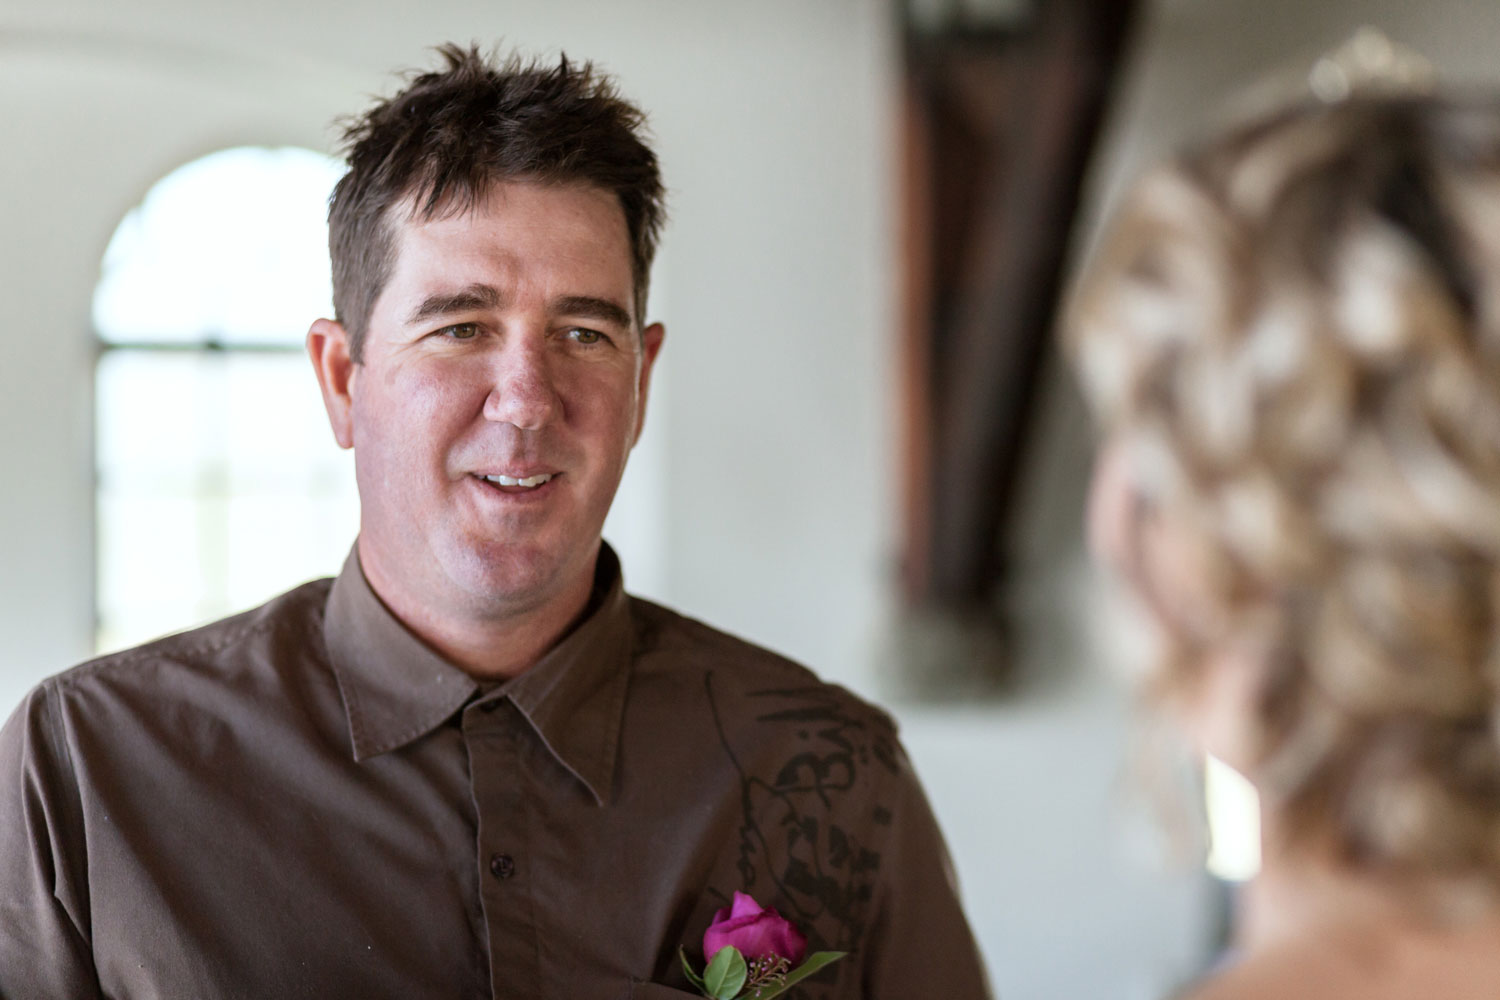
(772, 456)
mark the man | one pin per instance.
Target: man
(471, 765)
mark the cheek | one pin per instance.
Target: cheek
(1216, 710)
(603, 404)
(427, 390)
(1108, 513)
(406, 407)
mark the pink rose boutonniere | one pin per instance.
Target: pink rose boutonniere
(753, 953)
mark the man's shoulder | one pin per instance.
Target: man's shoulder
(241, 641)
(671, 643)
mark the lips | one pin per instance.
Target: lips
(529, 483)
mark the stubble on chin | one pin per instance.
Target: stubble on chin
(495, 580)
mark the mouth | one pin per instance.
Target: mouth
(517, 485)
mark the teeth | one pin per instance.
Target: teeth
(529, 482)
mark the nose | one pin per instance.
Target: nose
(523, 393)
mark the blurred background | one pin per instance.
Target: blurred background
(862, 450)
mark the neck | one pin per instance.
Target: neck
(486, 646)
(1312, 928)
(1301, 896)
(1305, 893)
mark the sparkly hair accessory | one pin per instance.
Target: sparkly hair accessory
(1370, 63)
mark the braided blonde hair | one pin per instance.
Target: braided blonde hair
(1294, 330)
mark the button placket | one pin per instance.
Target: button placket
(496, 784)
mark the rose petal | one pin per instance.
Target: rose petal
(764, 932)
(744, 906)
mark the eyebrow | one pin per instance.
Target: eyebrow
(472, 298)
(479, 297)
(589, 307)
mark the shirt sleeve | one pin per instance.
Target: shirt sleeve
(45, 951)
(919, 944)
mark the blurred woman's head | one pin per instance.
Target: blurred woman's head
(1291, 338)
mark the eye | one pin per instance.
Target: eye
(586, 336)
(460, 331)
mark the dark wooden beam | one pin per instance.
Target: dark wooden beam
(1000, 126)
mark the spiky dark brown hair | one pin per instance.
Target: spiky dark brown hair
(440, 143)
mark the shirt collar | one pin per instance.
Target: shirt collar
(397, 689)
(575, 695)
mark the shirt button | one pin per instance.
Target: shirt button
(489, 706)
(502, 865)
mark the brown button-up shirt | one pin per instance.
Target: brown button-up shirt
(306, 801)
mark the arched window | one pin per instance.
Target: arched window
(218, 482)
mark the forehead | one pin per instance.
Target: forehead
(526, 236)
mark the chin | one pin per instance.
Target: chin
(510, 577)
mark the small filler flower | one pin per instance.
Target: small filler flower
(753, 954)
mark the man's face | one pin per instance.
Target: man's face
(502, 386)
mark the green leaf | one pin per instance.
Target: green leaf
(813, 964)
(687, 970)
(726, 974)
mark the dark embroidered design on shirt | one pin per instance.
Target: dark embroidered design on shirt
(803, 837)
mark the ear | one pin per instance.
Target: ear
(328, 347)
(651, 341)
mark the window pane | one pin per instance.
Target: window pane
(232, 247)
(219, 485)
